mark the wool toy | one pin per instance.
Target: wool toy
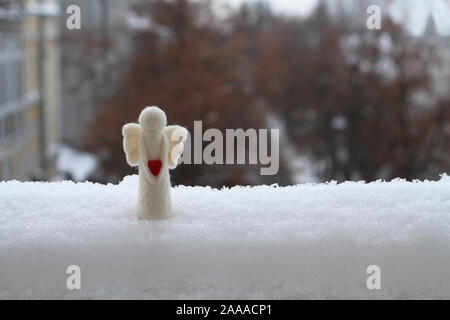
(154, 148)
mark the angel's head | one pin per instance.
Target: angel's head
(152, 119)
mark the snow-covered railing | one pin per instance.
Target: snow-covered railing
(306, 241)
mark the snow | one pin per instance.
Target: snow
(305, 241)
(79, 165)
(136, 22)
(339, 123)
(302, 166)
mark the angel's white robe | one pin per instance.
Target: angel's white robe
(154, 191)
(155, 151)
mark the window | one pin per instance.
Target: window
(11, 41)
(10, 125)
(2, 85)
(11, 83)
(2, 41)
(2, 171)
(11, 66)
(20, 79)
(4, 168)
(19, 124)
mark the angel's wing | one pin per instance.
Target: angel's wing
(176, 136)
(131, 134)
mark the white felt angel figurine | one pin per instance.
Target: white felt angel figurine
(154, 148)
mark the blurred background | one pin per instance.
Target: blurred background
(351, 103)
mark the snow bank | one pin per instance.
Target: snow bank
(78, 164)
(306, 241)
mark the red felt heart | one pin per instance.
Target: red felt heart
(155, 167)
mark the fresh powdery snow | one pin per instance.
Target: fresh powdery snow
(267, 242)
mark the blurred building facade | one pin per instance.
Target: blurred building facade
(91, 60)
(29, 89)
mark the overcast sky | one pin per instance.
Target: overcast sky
(300, 7)
(418, 11)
